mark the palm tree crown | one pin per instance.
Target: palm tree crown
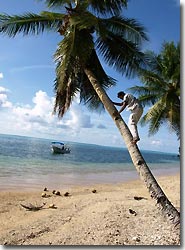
(88, 28)
(162, 89)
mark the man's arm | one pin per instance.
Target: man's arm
(118, 103)
(124, 104)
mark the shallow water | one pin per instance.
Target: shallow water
(28, 163)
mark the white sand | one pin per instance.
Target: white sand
(87, 218)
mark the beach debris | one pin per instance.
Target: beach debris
(94, 191)
(138, 198)
(136, 238)
(45, 189)
(44, 195)
(132, 211)
(32, 207)
(56, 192)
(66, 194)
(52, 206)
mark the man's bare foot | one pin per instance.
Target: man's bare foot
(135, 140)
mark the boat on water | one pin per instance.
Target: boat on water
(59, 148)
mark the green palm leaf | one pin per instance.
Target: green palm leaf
(70, 74)
(29, 23)
(161, 89)
(56, 3)
(126, 57)
(155, 117)
(130, 29)
(112, 7)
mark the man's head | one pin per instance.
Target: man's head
(121, 94)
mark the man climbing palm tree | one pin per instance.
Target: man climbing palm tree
(136, 109)
(91, 29)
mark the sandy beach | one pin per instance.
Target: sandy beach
(89, 215)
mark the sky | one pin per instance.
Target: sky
(27, 73)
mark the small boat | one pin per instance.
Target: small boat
(59, 148)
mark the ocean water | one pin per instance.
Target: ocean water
(27, 163)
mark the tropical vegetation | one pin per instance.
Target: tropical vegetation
(91, 29)
(161, 89)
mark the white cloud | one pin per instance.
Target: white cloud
(78, 119)
(38, 118)
(156, 142)
(4, 103)
(3, 90)
(39, 113)
(1, 75)
(77, 124)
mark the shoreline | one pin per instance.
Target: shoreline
(87, 218)
(54, 181)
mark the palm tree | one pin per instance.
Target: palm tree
(161, 89)
(89, 27)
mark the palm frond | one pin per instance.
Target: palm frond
(171, 61)
(70, 74)
(153, 62)
(125, 57)
(77, 44)
(112, 7)
(173, 104)
(56, 3)
(151, 79)
(175, 128)
(52, 15)
(147, 96)
(143, 91)
(174, 120)
(84, 20)
(66, 86)
(156, 116)
(88, 94)
(28, 23)
(127, 28)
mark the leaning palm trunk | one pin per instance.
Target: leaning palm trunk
(145, 174)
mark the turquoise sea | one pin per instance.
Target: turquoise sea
(27, 163)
